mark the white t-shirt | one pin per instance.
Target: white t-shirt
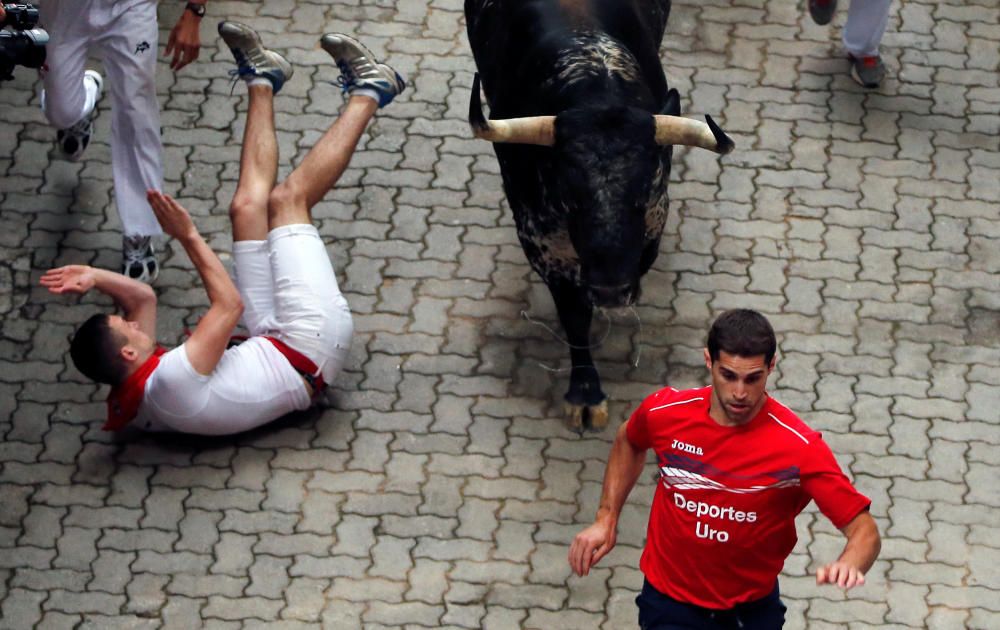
(253, 384)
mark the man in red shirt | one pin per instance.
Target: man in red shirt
(736, 467)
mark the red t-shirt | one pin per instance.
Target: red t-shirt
(723, 517)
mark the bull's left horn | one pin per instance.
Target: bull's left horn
(539, 130)
(693, 133)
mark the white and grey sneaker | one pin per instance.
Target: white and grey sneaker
(73, 140)
(360, 72)
(252, 59)
(139, 258)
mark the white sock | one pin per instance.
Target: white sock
(260, 81)
(369, 92)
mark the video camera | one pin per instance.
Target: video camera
(22, 44)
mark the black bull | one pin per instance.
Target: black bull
(582, 122)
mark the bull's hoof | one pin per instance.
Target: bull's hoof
(587, 417)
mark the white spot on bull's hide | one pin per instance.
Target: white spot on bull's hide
(592, 54)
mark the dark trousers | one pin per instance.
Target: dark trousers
(660, 612)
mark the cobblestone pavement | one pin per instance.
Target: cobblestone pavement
(438, 486)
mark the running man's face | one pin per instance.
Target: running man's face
(738, 385)
(135, 338)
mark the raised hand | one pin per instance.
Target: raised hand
(173, 218)
(69, 279)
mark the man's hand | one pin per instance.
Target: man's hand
(185, 41)
(69, 279)
(863, 545)
(173, 218)
(592, 544)
(840, 573)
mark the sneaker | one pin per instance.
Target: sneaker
(822, 10)
(139, 259)
(252, 59)
(359, 70)
(73, 140)
(868, 71)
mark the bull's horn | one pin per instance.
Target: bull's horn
(531, 130)
(694, 133)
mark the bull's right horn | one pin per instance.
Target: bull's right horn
(694, 133)
(540, 130)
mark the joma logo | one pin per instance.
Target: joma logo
(687, 448)
(141, 47)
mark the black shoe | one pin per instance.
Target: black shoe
(822, 10)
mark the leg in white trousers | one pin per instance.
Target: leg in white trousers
(866, 21)
(125, 35)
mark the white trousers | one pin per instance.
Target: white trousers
(290, 292)
(124, 34)
(866, 21)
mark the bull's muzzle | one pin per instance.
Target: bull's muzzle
(612, 296)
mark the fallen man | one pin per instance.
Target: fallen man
(285, 290)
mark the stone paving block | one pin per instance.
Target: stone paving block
(305, 599)
(361, 590)
(50, 580)
(340, 613)
(240, 608)
(23, 607)
(313, 567)
(170, 563)
(69, 602)
(204, 586)
(53, 620)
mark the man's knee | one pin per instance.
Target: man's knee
(244, 208)
(287, 197)
(60, 114)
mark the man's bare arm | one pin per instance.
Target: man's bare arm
(624, 467)
(860, 551)
(211, 336)
(137, 300)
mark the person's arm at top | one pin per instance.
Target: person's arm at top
(136, 299)
(211, 336)
(624, 467)
(860, 551)
(185, 38)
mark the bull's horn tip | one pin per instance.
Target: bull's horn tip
(724, 144)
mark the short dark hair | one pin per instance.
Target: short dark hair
(744, 333)
(96, 348)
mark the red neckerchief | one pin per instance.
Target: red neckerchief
(124, 399)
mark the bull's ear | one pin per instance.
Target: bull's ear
(672, 107)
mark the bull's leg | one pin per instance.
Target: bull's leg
(586, 403)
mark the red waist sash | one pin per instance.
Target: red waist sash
(302, 364)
